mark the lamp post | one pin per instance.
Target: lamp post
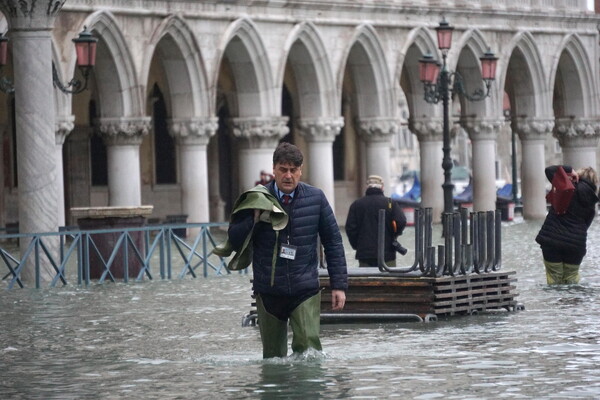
(438, 83)
(85, 47)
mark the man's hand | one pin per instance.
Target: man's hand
(338, 300)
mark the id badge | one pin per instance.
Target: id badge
(288, 251)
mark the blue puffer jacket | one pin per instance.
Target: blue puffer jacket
(310, 218)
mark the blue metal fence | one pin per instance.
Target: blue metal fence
(59, 258)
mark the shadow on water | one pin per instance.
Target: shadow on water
(183, 339)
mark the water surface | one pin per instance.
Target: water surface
(183, 339)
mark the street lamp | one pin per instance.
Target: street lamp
(85, 47)
(438, 82)
(5, 84)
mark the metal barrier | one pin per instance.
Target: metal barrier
(471, 244)
(160, 249)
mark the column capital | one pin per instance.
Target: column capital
(320, 129)
(533, 128)
(62, 127)
(193, 131)
(31, 14)
(577, 132)
(260, 132)
(378, 129)
(482, 128)
(124, 130)
(428, 129)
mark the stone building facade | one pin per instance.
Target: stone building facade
(188, 100)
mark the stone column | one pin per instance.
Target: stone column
(483, 135)
(31, 22)
(122, 137)
(578, 138)
(258, 138)
(320, 134)
(533, 133)
(192, 136)
(63, 126)
(429, 131)
(377, 134)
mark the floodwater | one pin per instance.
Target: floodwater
(183, 339)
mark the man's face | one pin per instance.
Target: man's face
(287, 176)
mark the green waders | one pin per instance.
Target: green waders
(305, 322)
(559, 273)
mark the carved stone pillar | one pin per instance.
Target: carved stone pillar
(578, 138)
(429, 131)
(192, 136)
(63, 126)
(258, 137)
(533, 133)
(377, 134)
(31, 22)
(483, 135)
(122, 137)
(320, 134)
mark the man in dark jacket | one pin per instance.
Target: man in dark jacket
(285, 263)
(363, 221)
(563, 237)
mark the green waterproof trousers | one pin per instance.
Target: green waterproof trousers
(305, 322)
(559, 273)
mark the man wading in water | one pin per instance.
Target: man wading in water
(285, 262)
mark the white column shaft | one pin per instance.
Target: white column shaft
(580, 157)
(124, 184)
(60, 186)
(36, 158)
(432, 178)
(533, 179)
(484, 175)
(378, 161)
(252, 161)
(194, 182)
(320, 160)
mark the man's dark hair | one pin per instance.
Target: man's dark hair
(288, 153)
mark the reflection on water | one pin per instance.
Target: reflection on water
(183, 339)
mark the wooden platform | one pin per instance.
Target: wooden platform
(373, 295)
(376, 296)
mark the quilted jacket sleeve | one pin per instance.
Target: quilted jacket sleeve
(331, 240)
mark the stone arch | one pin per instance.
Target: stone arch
(249, 61)
(420, 41)
(305, 51)
(470, 47)
(184, 68)
(573, 67)
(367, 62)
(116, 81)
(530, 90)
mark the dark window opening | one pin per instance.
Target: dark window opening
(98, 156)
(225, 159)
(339, 154)
(164, 145)
(287, 110)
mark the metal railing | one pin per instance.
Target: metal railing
(58, 258)
(472, 244)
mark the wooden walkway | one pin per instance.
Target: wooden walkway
(373, 295)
